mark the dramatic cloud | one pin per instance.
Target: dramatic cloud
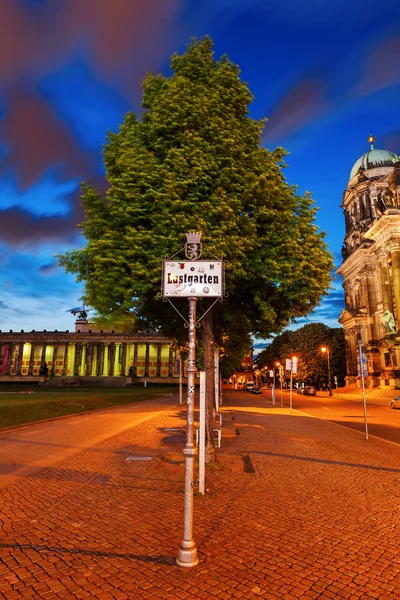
(39, 40)
(304, 103)
(37, 139)
(381, 68)
(49, 270)
(21, 229)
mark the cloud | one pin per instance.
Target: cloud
(34, 42)
(381, 68)
(37, 139)
(21, 229)
(305, 102)
(49, 270)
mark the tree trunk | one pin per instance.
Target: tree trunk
(208, 345)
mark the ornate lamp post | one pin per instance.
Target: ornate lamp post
(326, 350)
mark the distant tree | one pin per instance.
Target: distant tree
(306, 343)
(194, 162)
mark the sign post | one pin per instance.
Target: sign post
(272, 374)
(363, 372)
(202, 432)
(191, 279)
(291, 365)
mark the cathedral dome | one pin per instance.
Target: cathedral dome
(373, 159)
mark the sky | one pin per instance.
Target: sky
(324, 73)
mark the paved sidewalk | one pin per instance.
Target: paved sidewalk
(296, 507)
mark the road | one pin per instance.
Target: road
(382, 421)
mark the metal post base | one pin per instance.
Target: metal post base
(187, 554)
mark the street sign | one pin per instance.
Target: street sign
(291, 364)
(362, 364)
(193, 278)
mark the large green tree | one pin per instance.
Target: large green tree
(194, 161)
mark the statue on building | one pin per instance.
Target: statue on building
(387, 199)
(379, 207)
(81, 312)
(389, 323)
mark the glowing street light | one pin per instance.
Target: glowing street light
(326, 350)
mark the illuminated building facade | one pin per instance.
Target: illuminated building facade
(371, 267)
(86, 353)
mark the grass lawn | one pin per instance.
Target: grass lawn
(18, 407)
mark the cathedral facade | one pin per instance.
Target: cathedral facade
(371, 268)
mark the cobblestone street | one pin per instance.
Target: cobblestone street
(296, 507)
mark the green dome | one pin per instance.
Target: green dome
(372, 159)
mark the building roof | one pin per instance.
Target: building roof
(372, 159)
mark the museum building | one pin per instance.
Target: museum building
(89, 355)
(371, 267)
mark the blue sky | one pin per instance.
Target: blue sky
(324, 73)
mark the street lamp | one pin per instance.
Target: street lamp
(326, 350)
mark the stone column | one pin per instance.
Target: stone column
(171, 362)
(78, 354)
(89, 359)
(135, 358)
(18, 359)
(123, 359)
(371, 303)
(53, 366)
(100, 359)
(146, 361)
(373, 196)
(8, 363)
(111, 359)
(367, 203)
(158, 372)
(386, 286)
(43, 355)
(396, 280)
(31, 359)
(65, 363)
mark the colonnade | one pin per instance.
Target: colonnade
(84, 358)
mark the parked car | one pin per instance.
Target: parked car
(395, 403)
(309, 390)
(248, 387)
(256, 390)
(301, 390)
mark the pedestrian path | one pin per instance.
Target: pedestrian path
(296, 507)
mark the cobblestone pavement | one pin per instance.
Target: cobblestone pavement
(296, 507)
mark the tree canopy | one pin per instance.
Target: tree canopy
(306, 343)
(194, 161)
